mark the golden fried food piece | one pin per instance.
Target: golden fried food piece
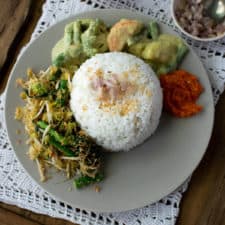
(121, 32)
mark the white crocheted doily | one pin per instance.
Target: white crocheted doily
(16, 187)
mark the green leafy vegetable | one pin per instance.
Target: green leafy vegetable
(86, 180)
(38, 89)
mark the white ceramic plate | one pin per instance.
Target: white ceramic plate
(141, 176)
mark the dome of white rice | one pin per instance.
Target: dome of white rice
(117, 99)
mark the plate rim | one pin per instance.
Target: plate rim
(70, 18)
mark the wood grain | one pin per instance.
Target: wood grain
(204, 201)
(13, 13)
(6, 218)
(24, 217)
(22, 37)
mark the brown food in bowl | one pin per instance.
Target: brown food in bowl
(192, 18)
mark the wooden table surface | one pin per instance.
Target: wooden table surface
(204, 201)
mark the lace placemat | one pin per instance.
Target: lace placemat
(16, 187)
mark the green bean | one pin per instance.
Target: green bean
(77, 32)
(63, 84)
(153, 30)
(86, 180)
(182, 51)
(53, 133)
(56, 140)
(68, 37)
(56, 75)
(164, 69)
(65, 150)
(62, 93)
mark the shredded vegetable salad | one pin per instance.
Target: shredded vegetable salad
(55, 139)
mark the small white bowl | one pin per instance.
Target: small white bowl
(174, 5)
